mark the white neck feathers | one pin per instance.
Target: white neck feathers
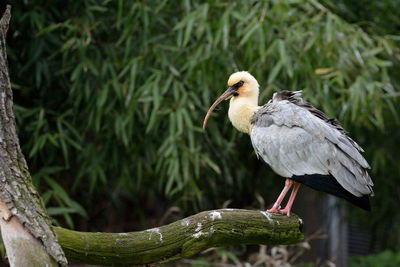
(241, 109)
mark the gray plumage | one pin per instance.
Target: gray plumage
(295, 138)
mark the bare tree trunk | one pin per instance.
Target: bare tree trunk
(25, 226)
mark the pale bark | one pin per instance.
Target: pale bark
(22, 248)
(29, 217)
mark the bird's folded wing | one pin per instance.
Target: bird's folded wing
(295, 142)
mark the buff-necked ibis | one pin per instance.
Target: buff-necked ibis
(299, 142)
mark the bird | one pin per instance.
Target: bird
(299, 142)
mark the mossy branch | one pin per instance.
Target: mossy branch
(181, 239)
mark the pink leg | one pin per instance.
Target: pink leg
(289, 204)
(275, 208)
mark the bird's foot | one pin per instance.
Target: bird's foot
(285, 211)
(273, 210)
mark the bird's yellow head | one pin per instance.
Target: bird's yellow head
(241, 85)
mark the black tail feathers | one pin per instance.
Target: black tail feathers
(328, 184)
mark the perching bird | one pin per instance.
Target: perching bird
(299, 142)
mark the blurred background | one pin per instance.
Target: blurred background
(110, 97)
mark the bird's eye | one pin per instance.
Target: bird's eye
(238, 85)
(235, 94)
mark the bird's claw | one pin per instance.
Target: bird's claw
(285, 212)
(280, 211)
(273, 210)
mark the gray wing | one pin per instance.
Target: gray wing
(293, 141)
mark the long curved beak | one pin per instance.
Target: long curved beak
(224, 96)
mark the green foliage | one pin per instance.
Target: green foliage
(384, 258)
(375, 16)
(110, 97)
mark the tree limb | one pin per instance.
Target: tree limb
(181, 239)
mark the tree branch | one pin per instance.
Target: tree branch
(181, 239)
